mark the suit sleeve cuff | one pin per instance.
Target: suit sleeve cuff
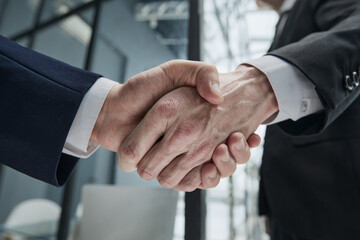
(295, 93)
(78, 142)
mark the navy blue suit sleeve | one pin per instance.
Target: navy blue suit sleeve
(39, 98)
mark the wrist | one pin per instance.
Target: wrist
(259, 85)
(247, 91)
(108, 108)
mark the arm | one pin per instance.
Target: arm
(295, 94)
(40, 98)
(254, 102)
(326, 58)
(112, 128)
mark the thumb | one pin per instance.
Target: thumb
(208, 85)
(203, 76)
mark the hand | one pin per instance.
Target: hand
(127, 104)
(190, 129)
(224, 161)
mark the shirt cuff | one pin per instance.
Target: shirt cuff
(78, 142)
(295, 93)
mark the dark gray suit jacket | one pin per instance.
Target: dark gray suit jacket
(310, 176)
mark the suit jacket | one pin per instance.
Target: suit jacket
(310, 175)
(39, 98)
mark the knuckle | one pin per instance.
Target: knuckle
(167, 108)
(206, 68)
(171, 149)
(129, 151)
(204, 150)
(183, 166)
(166, 181)
(185, 132)
(146, 174)
(169, 68)
(172, 63)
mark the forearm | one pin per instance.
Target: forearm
(39, 104)
(295, 94)
(328, 57)
(249, 89)
(78, 142)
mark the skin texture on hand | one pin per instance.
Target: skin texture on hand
(181, 131)
(127, 104)
(224, 162)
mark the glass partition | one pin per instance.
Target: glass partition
(131, 36)
(235, 31)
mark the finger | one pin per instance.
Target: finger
(174, 144)
(208, 85)
(154, 83)
(254, 140)
(223, 161)
(156, 159)
(210, 177)
(191, 181)
(175, 171)
(202, 75)
(238, 147)
(142, 138)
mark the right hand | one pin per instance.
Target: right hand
(191, 129)
(126, 105)
(224, 162)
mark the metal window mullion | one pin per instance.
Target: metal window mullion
(69, 190)
(39, 12)
(53, 21)
(195, 205)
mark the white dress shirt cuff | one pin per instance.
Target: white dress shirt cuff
(295, 93)
(78, 142)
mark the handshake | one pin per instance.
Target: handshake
(185, 124)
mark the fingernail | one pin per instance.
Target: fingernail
(216, 89)
(241, 146)
(213, 174)
(225, 159)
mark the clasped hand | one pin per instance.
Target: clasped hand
(183, 136)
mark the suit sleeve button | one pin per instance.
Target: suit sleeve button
(355, 78)
(348, 83)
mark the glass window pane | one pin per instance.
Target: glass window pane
(17, 16)
(67, 40)
(129, 40)
(56, 8)
(236, 31)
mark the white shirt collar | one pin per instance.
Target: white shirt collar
(287, 5)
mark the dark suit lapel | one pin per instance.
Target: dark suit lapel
(281, 27)
(283, 30)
